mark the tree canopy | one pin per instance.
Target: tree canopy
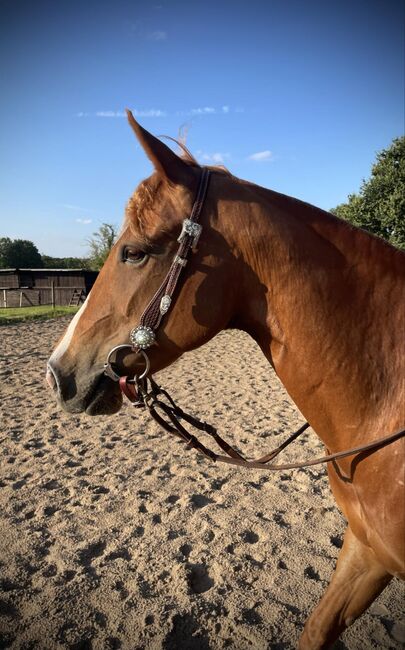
(101, 243)
(23, 254)
(65, 262)
(379, 207)
(19, 253)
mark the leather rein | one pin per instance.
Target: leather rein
(142, 390)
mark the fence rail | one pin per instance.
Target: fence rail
(32, 297)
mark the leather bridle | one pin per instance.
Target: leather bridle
(142, 390)
(143, 336)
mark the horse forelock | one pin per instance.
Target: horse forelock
(140, 212)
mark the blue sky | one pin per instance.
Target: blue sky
(295, 96)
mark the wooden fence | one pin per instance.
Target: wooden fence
(32, 297)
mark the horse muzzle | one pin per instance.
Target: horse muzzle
(95, 395)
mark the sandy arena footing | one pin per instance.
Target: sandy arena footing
(114, 535)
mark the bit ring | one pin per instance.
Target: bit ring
(147, 366)
(113, 375)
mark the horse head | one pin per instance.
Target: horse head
(132, 273)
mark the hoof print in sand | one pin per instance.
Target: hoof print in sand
(52, 484)
(185, 633)
(249, 537)
(7, 609)
(310, 573)
(121, 553)
(185, 549)
(112, 643)
(336, 541)
(88, 554)
(251, 616)
(280, 521)
(172, 499)
(199, 501)
(199, 579)
(100, 489)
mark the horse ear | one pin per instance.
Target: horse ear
(164, 160)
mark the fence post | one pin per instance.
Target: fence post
(53, 293)
(4, 297)
(21, 297)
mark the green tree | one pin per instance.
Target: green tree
(5, 243)
(379, 207)
(19, 253)
(100, 244)
(65, 262)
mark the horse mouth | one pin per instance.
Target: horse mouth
(104, 398)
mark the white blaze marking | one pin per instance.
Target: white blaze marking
(65, 342)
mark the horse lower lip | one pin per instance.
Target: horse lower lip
(103, 398)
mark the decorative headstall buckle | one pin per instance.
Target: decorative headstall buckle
(192, 229)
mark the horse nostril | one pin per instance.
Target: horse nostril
(50, 378)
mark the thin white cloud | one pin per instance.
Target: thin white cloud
(110, 114)
(211, 110)
(157, 112)
(206, 110)
(216, 158)
(261, 156)
(149, 112)
(70, 206)
(84, 221)
(201, 110)
(157, 35)
(219, 158)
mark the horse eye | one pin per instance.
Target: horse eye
(134, 256)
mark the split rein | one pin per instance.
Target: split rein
(168, 415)
(142, 391)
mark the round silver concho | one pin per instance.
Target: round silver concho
(142, 337)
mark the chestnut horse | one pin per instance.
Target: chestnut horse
(324, 302)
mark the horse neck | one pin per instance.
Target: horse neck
(317, 295)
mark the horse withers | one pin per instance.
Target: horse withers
(323, 300)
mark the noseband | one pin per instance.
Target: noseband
(142, 390)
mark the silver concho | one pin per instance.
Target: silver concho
(192, 229)
(165, 304)
(142, 337)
